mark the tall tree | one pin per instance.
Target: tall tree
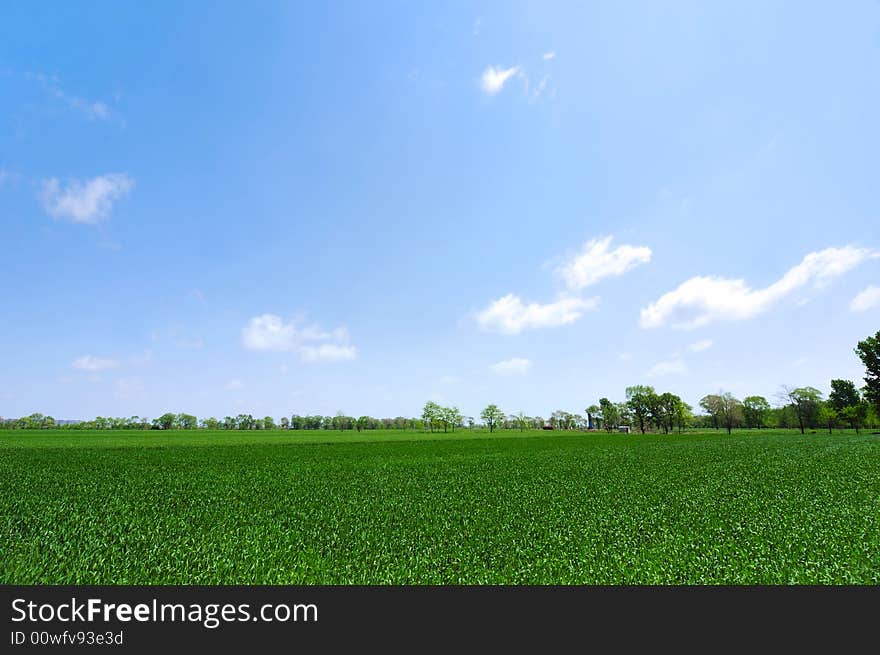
(610, 415)
(641, 399)
(755, 411)
(711, 404)
(869, 352)
(431, 414)
(805, 403)
(492, 416)
(730, 411)
(594, 416)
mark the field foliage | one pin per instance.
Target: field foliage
(301, 508)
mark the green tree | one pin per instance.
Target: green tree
(610, 415)
(730, 411)
(165, 422)
(755, 411)
(683, 415)
(187, 422)
(492, 416)
(431, 414)
(594, 416)
(711, 404)
(805, 403)
(869, 352)
(641, 400)
(451, 416)
(827, 415)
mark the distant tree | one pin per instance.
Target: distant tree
(187, 422)
(610, 414)
(285, 423)
(845, 399)
(211, 423)
(805, 403)
(594, 416)
(641, 400)
(269, 423)
(755, 409)
(869, 352)
(451, 417)
(165, 422)
(431, 414)
(683, 415)
(730, 411)
(827, 415)
(492, 416)
(711, 404)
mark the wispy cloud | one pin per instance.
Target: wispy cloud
(327, 352)
(269, 332)
(233, 385)
(667, 367)
(478, 23)
(494, 78)
(867, 298)
(703, 300)
(596, 261)
(701, 345)
(86, 202)
(92, 363)
(189, 343)
(199, 295)
(513, 366)
(140, 359)
(91, 109)
(510, 315)
(548, 56)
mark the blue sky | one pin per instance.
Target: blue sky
(293, 208)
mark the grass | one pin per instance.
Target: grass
(403, 507)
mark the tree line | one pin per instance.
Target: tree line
(644, 409)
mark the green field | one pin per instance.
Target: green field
(398, 507)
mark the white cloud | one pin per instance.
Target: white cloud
(667, 367)
(596, 261)
(270, 332)
(547, 56)
(327, 352)
(867, 298)
(234, 385)
(509, 315)
(92, 363)
(702, 300)
(477, 25)
(625, 357)
(186, 343)
(85, 202)
(493, 79)
(516, 365)
(700, 346)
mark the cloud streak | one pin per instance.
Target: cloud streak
(92, 363)
(702, 300)
(596, 261)
(513, 366)
(510, 315)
